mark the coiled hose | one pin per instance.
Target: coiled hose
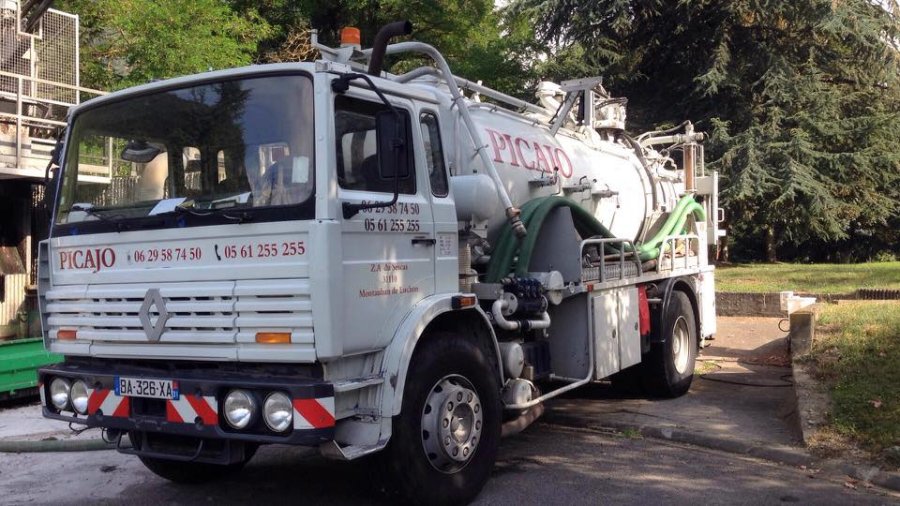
(511, 251)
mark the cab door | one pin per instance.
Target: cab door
(443, 209)
(388, 252)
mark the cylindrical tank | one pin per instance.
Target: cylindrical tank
(604, 176)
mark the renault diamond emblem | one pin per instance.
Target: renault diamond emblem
(153, 331)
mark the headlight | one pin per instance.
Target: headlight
(240, 408)
(78, 394)
(59, 393)
(278, 412)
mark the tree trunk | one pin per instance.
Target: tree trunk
(771, 257)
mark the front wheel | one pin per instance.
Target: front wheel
(668, 369)
(445, 440)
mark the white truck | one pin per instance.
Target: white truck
(329, 255)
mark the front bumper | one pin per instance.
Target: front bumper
(197, 412)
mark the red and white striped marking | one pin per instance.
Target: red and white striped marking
(188, 408)
(106, 401)
(313, 413)
(308, 413)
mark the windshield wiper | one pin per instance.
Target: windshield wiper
(243, 217)
(182, 208)
(90, 211)
(187, 207)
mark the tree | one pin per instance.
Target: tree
(128, 42)
(802, 99)
(470, 34)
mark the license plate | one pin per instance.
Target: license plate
(147, 387)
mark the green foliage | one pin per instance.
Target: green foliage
(802, 100)
(135, 41)
(857, 354)
(128, 42)
(476, 41)
(808, 278)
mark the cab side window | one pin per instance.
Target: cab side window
(357, 149)
(434, 154)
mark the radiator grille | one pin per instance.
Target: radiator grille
(198, 313)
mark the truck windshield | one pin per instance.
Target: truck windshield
(214, 153)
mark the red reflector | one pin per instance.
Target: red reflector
(643, 310)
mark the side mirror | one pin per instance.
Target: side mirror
(56, 153)
(392, 139)
(139, 151)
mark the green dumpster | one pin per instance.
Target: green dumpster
(19, 362)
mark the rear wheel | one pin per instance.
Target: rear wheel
(668, 369)
(445, 440)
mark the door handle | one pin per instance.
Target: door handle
(427, 241)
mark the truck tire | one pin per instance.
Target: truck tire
(668, 368)
(194, 472)
(445, 439)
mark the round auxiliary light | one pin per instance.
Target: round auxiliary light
(59, 393)
(278, 412)
(78, 395)
(240, 409)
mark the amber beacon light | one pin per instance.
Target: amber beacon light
(350, 37)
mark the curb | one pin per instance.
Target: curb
(873, 475)
(803, 330)
(781, 454)
(54, 445)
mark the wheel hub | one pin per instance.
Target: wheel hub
(451, 423)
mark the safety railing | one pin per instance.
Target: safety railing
(22, 119)
(679, 251)
(615, 266)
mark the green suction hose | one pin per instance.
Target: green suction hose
(510, 250)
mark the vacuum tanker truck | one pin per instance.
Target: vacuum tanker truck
(400, 267)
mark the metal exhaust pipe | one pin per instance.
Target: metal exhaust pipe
(387, 32)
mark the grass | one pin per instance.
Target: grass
(857, 356)
(808, 278)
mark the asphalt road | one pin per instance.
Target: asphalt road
(545, 465)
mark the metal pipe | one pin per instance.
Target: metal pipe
(522, 422)
(497, 311)
(562, 390)
(416, 73)
(689, 159)
(672, 139)
(388, 31)
(34, 121)
(512, 212)
(19, 124)
(471, 86)
(54, 83)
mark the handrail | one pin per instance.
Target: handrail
(670, 244)
(21, 98)
(472, 86)
(33, 119)
(38, 80)
(629, 251)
